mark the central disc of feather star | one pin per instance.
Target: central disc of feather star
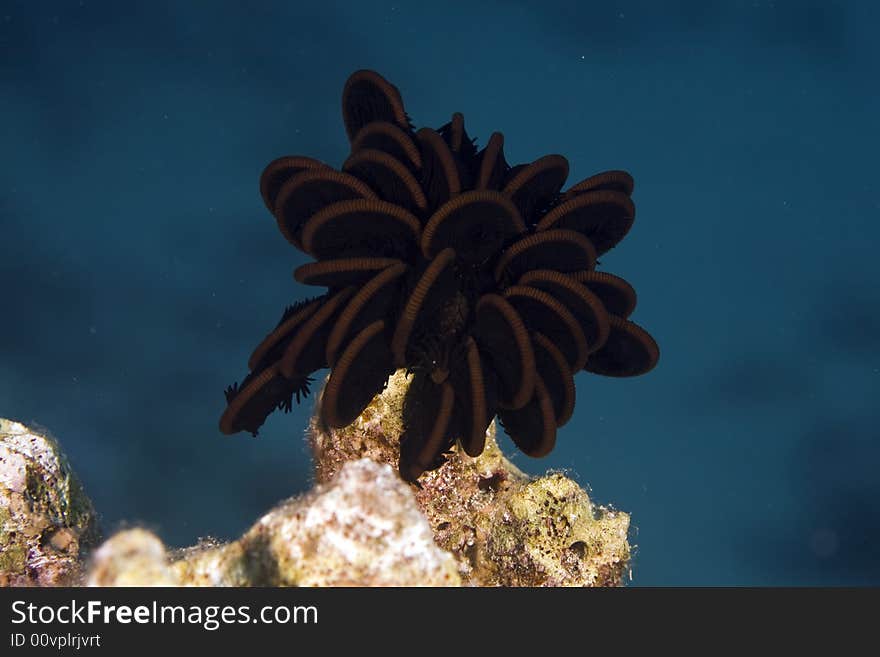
(476, 276)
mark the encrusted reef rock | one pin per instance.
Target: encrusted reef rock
(503, 527)
(474, 521)
(363, 528)
(46, 520)
(134, 557)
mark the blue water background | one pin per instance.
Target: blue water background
(138, 266)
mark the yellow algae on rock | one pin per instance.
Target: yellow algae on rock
(547, 533)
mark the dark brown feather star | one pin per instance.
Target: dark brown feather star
(476, 276)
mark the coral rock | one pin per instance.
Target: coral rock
(475, 521)
(362, 529)
(45, 517)
(134, 557)
(503, 527)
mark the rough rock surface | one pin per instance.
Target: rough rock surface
(503, 527)
(363, 528)
(474, 521)
(134, 557)
(45, 517)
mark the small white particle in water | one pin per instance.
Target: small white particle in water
(93, 330)
(583, 56)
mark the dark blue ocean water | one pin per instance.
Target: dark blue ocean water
(138, 265)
